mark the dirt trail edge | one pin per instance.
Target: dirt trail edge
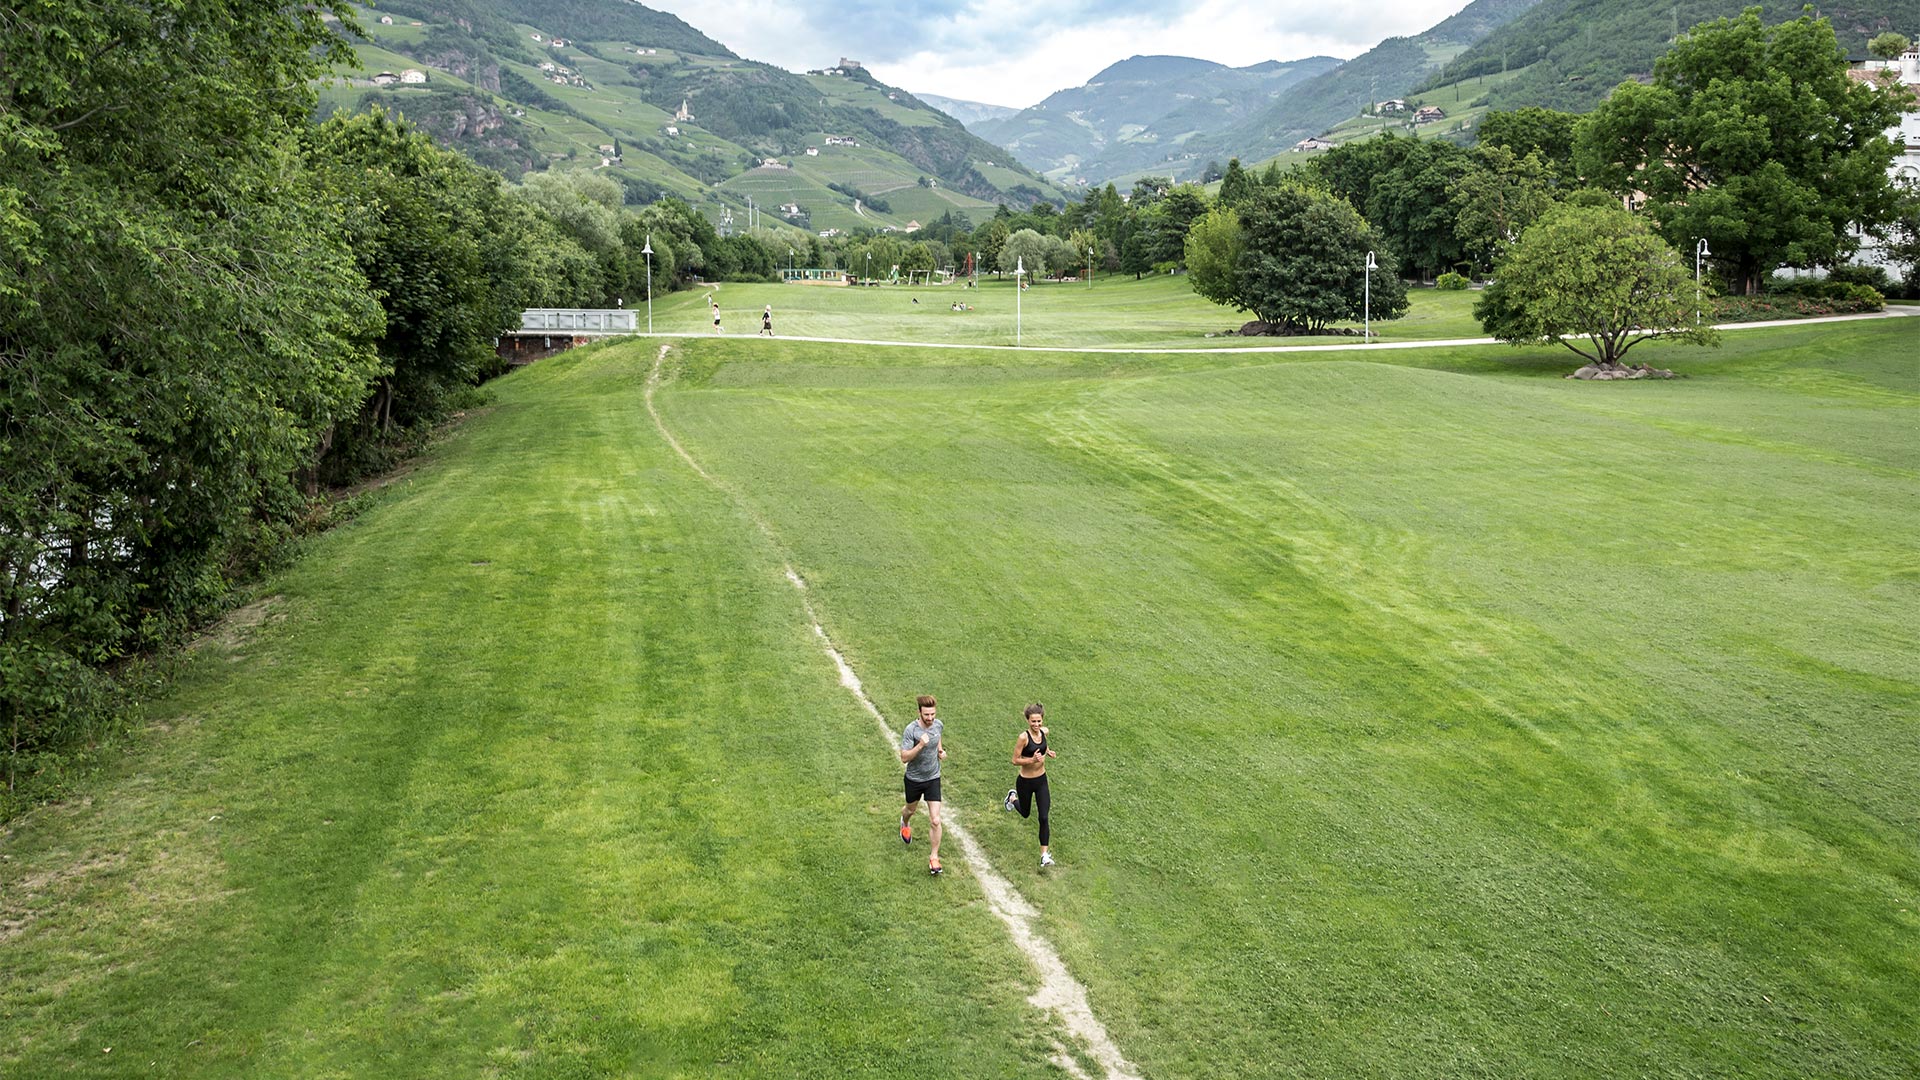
(1059, 993)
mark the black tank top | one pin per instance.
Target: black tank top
(1037, 749)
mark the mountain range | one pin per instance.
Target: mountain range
(663, 109)
(1492, 54)
(1135, 114)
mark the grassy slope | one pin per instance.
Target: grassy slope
(537, 772)
(1441, 719)
(1447, 721)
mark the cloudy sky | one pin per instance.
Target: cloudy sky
(1016, 52)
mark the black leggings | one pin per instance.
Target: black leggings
(1030, 790)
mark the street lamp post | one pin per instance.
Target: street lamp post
(1366, 298)
(869, 278)
(1699, 252)
(1089, 268)
(1019, 270)
(648, 252)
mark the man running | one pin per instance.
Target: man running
(922, 753)
(1030, 752)
(766, 321)
(716, 314)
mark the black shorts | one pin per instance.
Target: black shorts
(918, 788)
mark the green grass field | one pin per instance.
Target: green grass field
(1113, 311)
(1419, 714)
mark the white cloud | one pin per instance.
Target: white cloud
(1013, 52)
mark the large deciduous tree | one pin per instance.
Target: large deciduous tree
(179, 318)
(1596, 274)
(1752, 138)
(1295, 256)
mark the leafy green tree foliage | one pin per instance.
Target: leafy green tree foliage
(1496, 198)
(1026, 249)
(1887, 46)
(1214, 248)
(436, 240)
(1533, 130)
(1595, 273)
(1752, 138)
(1404, 187)
(1298, 260)
(1236, 186)
(1903, 238)
(1062, 257)
(988, 240)
(179, 318)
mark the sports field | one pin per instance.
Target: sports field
(1418, 714)
(1112, 311)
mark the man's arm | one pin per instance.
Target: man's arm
(913, 751)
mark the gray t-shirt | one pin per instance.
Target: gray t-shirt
(926, 764)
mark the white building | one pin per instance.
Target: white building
(1905, 168)
(413, 76)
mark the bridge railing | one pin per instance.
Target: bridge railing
(579, 321)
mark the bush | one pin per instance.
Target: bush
(1832, 289)
(1451, 281)
(1873, 277)
(1786, 306)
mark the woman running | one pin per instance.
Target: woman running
(1030, 752)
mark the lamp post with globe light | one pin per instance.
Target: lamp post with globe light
(648, 252)
(1019, 270)
(1699, 252)
(1366, 298)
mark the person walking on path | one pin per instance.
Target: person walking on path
(1030, 753)
(922, 752)
(766, 321)
(716, 314)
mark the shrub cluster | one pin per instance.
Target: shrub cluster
(1777, 306)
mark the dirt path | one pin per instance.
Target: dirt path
(1059, 992)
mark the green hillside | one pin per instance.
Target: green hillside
(1388, 70)
(1576, 51)
(522, 86)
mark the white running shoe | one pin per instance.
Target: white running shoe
(1046, 858)
(1009, 804)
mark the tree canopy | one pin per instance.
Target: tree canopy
(1295, 256)
(1597, 273)
(1753, 138)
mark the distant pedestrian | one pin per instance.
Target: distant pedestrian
(1029, 790)
(766, 321)
(716, 318)
(922, 751)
